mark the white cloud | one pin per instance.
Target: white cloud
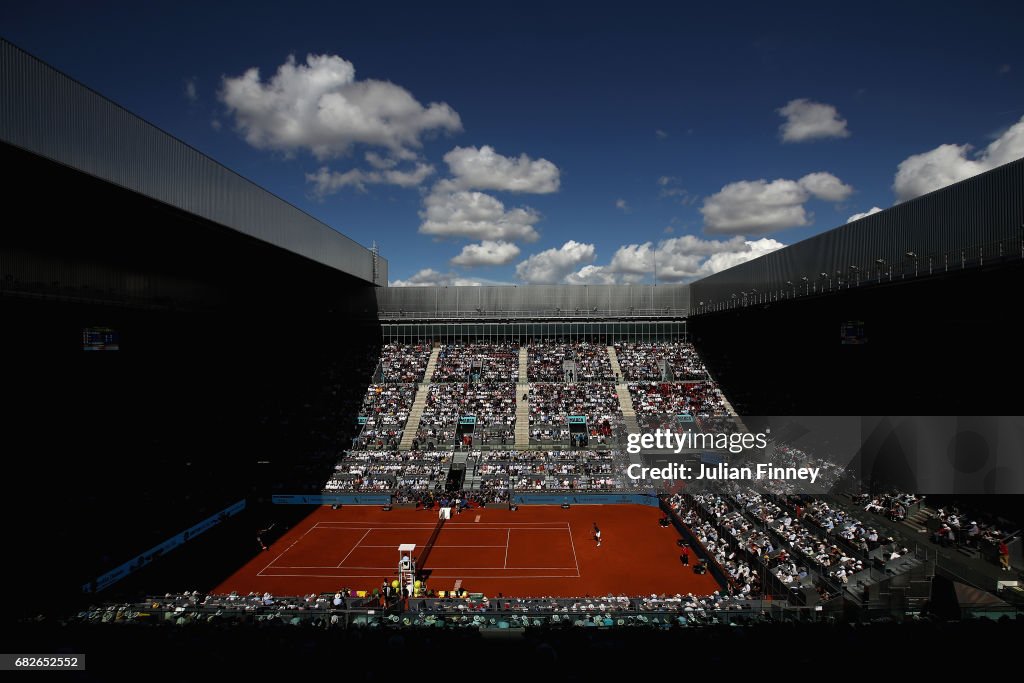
(553, 265)
(946, 164)
(191, 94)
(755, 206)
(455, 208)
(807, 120)
(410, 178)
(679, 259)
(327, 182)
(634, 259)
(759, 206)
(320, 106)
(661, 134)
(858, 216)
(727, 259)
(478, 216)
(826, 186)
(485, 169)
(487, 253)
(591, 275)
(622, 205)
(428, 277)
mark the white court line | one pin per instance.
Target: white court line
(507, 539)
(502, 577)
(433, 576)
(464, 525)
(476, 527)
(391, 569)
(364, 524)
(467, 527)
(433, 524)
(574, 558)
(472, 524)
(383, 569)
(354, 547)
(260, 572)
(453, 525)
(507, 526)
(498, 576)
(438, 546)
(373, 528)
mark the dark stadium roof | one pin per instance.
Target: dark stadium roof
(49, 114)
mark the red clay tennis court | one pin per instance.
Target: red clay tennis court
(534, 551)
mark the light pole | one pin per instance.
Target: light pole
(912, 255)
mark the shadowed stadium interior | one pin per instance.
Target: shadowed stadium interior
(223, 416)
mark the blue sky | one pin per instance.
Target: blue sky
(537, 144)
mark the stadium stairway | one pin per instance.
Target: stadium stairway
(910, 588)
(622, 389)
(412, 425)
(626, 403)
(613, 358)
(522, 415)
(428, 374)
(522, 407)
(918, 521)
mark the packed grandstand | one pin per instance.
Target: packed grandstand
(571, 397)
(471, 427)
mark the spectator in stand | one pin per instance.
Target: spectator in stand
(658, 403)
(1004, 556)
(403, 363)
(552, 404)
(551, 470)
(477, 362)
(492, 405)
(649, 361)
(385, 410)
(568, 362)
